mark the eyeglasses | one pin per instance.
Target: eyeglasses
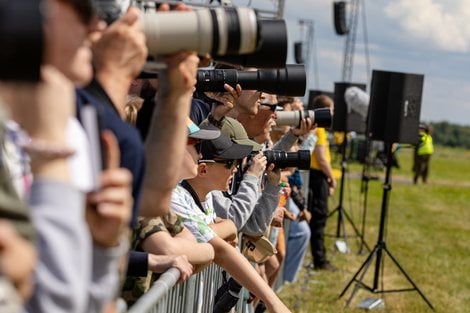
(229, 164)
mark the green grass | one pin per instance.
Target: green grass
(428, 232)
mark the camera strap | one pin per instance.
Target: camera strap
(193, 194)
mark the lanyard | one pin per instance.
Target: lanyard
(193, 194)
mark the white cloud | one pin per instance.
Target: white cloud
(444, 23)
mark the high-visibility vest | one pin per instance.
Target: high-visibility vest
(425, 146)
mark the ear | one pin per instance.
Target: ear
(202, 170)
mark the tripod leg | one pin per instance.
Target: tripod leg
(333, 212)
(409, 278)
(364, 213)
(366, 262)
(357, 286)
(358, 234)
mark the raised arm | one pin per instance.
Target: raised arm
(166, 140)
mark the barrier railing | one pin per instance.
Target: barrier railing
(196, 295)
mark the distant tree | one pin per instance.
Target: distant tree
(452, 135)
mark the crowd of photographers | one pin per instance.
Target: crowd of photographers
(185, 176)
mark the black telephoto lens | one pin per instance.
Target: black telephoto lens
(323, 117)
(288, 81)
(282, 159)
(272, 51)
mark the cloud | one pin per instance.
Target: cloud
(443, 23)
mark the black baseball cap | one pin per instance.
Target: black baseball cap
(223, 148)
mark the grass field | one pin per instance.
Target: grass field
(428, 232)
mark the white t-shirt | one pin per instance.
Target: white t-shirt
(197, 221)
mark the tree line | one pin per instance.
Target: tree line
(452, 135)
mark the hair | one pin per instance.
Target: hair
(322, 101)
(283, 100)
(225, 66)
(133, 105)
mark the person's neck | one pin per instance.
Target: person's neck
(199, 188)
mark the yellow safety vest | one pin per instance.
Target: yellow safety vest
(425, 146)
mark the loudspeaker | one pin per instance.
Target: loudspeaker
(313, 93)
(395, 107)
(342, 121)
(339, 9)
(298, 52)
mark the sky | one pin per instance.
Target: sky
(429, 37)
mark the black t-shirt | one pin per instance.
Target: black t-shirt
(199, 111)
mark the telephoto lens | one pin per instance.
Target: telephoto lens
(218, 31)
(288, 81)
(282, 159)
(272, 51)
(231, 35)
(321, 117)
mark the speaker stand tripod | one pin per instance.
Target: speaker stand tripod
(342, 214)
(365, 179)
(380, 249)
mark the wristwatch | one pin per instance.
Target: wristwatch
(215, 122)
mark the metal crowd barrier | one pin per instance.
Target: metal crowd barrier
(196, 295)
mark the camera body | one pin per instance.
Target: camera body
(321, 117)
(287, 81)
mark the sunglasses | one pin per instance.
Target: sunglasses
(229, 164)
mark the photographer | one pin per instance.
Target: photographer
(190, 202)
(167, 236)
(119, 53)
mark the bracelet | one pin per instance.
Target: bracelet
(215, 122)
(46, 150)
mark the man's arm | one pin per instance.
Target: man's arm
(240, 207)
(225, 229)
(290, 138)
(241, 270)
(162, 243)
(119, 55)
(166, 140)
(286, 142)
(320, 154)
(266, 206)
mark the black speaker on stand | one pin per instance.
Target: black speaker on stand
(394, 113)
(339, 15)
(342, 122)
(298, 52)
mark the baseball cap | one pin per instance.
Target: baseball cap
(257, 250)
(207, 132)
(424, 126)
(235, 131)
(223, 148)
